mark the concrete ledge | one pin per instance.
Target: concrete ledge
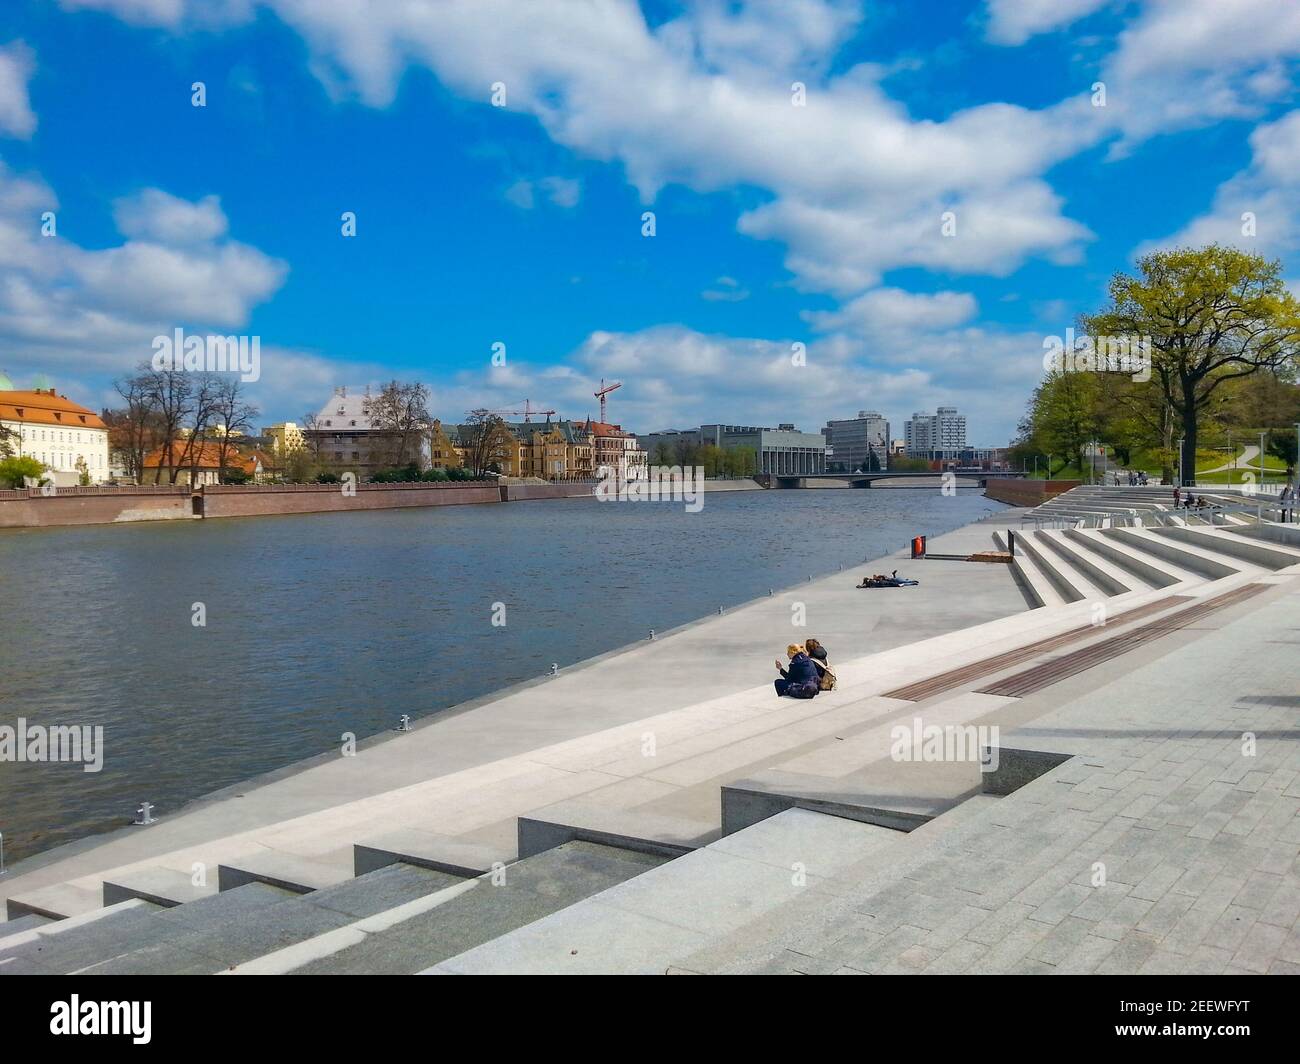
(748, 801)
(58, 901)
(436, 852)
(1054, 577)
(279, 870)
(1123, 559)
(162, 886)
(1161, 546)
(1090, 570)
(1018, 767)
(1234, 546)
(564, 822)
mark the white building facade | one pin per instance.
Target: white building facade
(70, 440)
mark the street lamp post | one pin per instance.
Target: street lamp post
(1263, 475)
(1180, 460)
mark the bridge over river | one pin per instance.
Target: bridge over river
(963, 479)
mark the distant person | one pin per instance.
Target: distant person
(825, 674)
(1287, 500)
(1178, 496)
(800, 680)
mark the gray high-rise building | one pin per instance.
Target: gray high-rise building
(938, 435)
(860, 443)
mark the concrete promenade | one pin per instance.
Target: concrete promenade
(473, 745)
(659, 810)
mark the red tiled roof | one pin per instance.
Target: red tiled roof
(45, 407)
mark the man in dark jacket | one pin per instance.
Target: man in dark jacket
(800, 679)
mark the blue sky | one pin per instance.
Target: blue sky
(776, 224)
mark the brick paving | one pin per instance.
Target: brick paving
(1168, 845)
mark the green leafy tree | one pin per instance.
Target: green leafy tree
(15, 470)
(1213, 315)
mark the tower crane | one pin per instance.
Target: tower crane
(604, 391)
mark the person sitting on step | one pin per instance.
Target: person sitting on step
(825, 674)
(800, 680)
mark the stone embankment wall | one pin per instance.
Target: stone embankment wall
(1027, 492)
(245, 500)
(29, 508)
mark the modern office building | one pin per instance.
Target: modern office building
(860, 443)
(938, 435)
(783, 451)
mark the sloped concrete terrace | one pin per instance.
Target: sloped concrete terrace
(607, 820)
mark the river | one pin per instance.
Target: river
(323, 624)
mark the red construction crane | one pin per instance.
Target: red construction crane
(528, 411)
(604, 391)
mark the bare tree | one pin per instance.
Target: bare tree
(170, 392)
(401, 411)
(230, 414)
(487, 441)
(136, 428)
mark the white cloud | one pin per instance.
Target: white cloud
(17, 65)
(704, 100)
(560, 191)
(1268, 191)
(1013, 22)
(65, 308)
(725, 290)
(521, 195)
(1187, 63)
(159, 216)
(891, 310)
(170, 13)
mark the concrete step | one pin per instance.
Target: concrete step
(1140, 567)
(1033, 582)
(493, 906)
(1085, 569)
(60, 950)
(1255, 552)
(428, 850)
(650, 924)
(162, 886)
(286, 870)
(22, 923)
(57, 901)
(1207, 564)
(249, 921)
(1069, 585)
(1037, 577)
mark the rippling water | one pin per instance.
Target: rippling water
(322, 624)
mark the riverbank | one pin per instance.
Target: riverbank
(709, 658)
(98, 505)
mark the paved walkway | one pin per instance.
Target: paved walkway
(1170, 844)
(710, 660)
